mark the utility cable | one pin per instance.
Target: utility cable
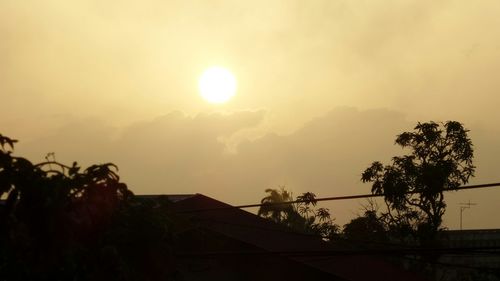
(333, 198)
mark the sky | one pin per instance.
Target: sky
(324, 87)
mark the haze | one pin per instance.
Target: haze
(323, 89)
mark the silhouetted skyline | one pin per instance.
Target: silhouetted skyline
(323, 88)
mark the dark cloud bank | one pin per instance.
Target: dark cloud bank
(176, 153)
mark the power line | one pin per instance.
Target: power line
(399, 250)
(339, 252)
(315, 235)
(477, 250)
(333, 198)
(328, 254)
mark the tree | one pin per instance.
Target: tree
(60, 223)
(273, 207)
(440, 159)
(301, 216)
(365, 228)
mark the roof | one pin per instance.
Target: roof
(264, 234)
(172, 198)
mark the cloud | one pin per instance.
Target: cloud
(163, 155)
(63, 61)
(178, 153)
(171, 153)
(123, 62)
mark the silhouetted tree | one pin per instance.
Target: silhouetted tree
(60, 223)
(301, 216)
(440, 159)
(273, 207)
(366, 228)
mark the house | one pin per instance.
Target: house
(482, 262)
(218, 242)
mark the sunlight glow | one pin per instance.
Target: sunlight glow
(217, 85)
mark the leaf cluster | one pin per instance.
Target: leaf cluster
(63, 222)
(439, 159)
(302, 216)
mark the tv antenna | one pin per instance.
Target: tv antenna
(464, 206)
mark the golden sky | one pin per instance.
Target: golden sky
(323, 88)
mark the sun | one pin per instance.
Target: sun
(217, 84)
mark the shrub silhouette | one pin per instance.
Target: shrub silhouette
(60, 222)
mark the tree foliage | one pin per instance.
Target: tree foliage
(60, 222)
(368, 227)
(302, 216)
(439, 159)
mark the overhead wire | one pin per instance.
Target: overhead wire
(343, 252)
(331, 198)
(402, 252)
(486, 250)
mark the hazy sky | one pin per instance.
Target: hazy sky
(323, 89)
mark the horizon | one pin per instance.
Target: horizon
(323, 89)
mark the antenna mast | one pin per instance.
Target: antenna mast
(464, 206)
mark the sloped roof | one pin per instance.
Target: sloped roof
(241, 225)
(171, 197)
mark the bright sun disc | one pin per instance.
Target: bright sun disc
(217, 85)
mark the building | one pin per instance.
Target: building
(219, 242)
(479, 258)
